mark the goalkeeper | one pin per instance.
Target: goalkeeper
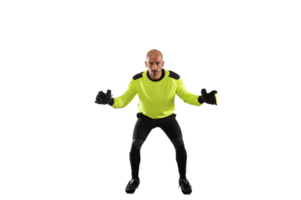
(156, 88)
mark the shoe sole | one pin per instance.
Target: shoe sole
(131, 193)
(186, 194)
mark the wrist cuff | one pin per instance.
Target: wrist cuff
(200, 99)
(111, 102)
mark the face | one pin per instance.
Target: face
(154, 64)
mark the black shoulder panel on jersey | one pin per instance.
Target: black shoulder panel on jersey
(139, 75)
(174, 75)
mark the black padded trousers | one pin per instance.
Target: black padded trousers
(172, 129)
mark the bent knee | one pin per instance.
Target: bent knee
(136, 146)
(178, 143)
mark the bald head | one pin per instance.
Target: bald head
(154, 63)
(154, 52)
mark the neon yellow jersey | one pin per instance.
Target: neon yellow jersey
(156, 97)
(217, 99)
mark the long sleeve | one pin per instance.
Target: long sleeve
(125, 98)
(185, 95)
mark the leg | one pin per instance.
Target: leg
(181, 156)
(135, 157)
(172, 129)
(141, 131)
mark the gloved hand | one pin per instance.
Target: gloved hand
(209, 98)
(103, 98)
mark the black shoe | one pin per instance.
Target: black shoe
(132, 185)
(185, 186)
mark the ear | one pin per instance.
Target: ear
(144, 64)
(164, 63)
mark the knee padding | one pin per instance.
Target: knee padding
(137, 143)
(136, 146)
(178, 142)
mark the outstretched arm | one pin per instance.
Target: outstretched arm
(187, 96)
(125, 98)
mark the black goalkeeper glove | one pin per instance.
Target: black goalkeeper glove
(103, 98)
(209, 98)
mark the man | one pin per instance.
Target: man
(156, 88)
